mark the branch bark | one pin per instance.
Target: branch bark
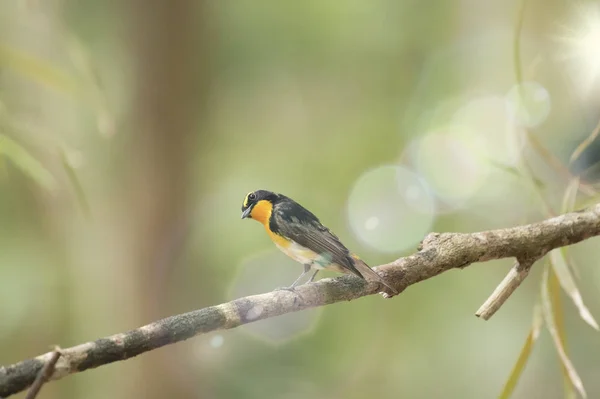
(43, 375)
(438, 253)
(509, 284)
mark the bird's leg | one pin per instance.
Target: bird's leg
(295, 283)
(313, 276)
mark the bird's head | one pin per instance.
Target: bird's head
(258, 205)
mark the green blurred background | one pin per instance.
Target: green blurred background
(131, 132)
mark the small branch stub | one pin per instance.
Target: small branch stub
(509, 284)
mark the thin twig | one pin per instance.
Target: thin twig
(585, 143)
(44, 374)
(558, 166)
(439, 252)
(511, 282)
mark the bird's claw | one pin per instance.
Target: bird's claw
(292, 289)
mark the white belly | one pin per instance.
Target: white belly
(304, 255)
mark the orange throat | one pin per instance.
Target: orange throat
(262, 212)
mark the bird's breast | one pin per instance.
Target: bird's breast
(297, 252)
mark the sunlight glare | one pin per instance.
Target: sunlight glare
(581, 39)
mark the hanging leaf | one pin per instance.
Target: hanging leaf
(519, 366)
(570, 196)
(568, 205)
(571, 263)
(561, 266)
(559, 322)
(567, 282)
(549, 319)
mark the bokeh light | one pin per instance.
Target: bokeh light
(209, 351)
(217, 341)
(390, 208)
(263, 273)
(453, 163)
(529, 103)
(488, 118)
(474, 141)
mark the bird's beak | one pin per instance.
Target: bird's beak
(246, 213)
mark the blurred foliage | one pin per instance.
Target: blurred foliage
(129, 135)
(27, 163)
(519, 366)
(36, 69)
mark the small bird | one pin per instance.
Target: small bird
(300, 235)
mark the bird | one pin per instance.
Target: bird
(299, 234)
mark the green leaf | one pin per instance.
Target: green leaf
(560, 264)
(27, 163)
(559, 321)
(568, 205)
(519, 366)
(570, 196)
(551, 313)
(567, 282)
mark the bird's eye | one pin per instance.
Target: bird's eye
(251, 196)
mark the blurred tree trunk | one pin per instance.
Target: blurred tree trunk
(170, 50)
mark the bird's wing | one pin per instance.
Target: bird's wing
(298, 224)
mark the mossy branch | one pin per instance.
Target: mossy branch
(438, 253)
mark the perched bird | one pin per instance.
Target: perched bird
(300, 235)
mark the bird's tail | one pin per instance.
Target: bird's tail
(371, 275)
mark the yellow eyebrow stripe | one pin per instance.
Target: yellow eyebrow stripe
(246, 199)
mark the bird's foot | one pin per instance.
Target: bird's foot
(298, 298)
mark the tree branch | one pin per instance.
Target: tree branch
(438, 253)
(511, 282)
(43, 375)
